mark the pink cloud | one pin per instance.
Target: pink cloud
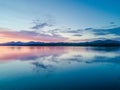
(7, 36)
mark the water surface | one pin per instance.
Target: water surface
(59, 68)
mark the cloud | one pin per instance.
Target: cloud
(61, 35)
(92, 34)
(77, 35)
(39, 24)
(25, 36)
(46, 28)
(33, 33)
(86, 34)
(115, 31)
(46, 31)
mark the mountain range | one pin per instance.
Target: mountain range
(90, 43)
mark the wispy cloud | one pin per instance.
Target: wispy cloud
(25, 36)
(44, 31)
(39, 24)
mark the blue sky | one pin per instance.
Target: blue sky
(18, 15)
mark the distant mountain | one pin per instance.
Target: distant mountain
(104, 43)
(21, 43)
(91, 43)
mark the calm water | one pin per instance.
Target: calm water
(59, 68)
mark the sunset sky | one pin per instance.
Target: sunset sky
(59, 20)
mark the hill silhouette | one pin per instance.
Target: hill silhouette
(90, 43)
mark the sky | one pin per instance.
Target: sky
(59, 20)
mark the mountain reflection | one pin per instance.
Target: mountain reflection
(48, 57)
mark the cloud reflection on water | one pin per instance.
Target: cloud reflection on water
(49, 57)
(67, 67)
